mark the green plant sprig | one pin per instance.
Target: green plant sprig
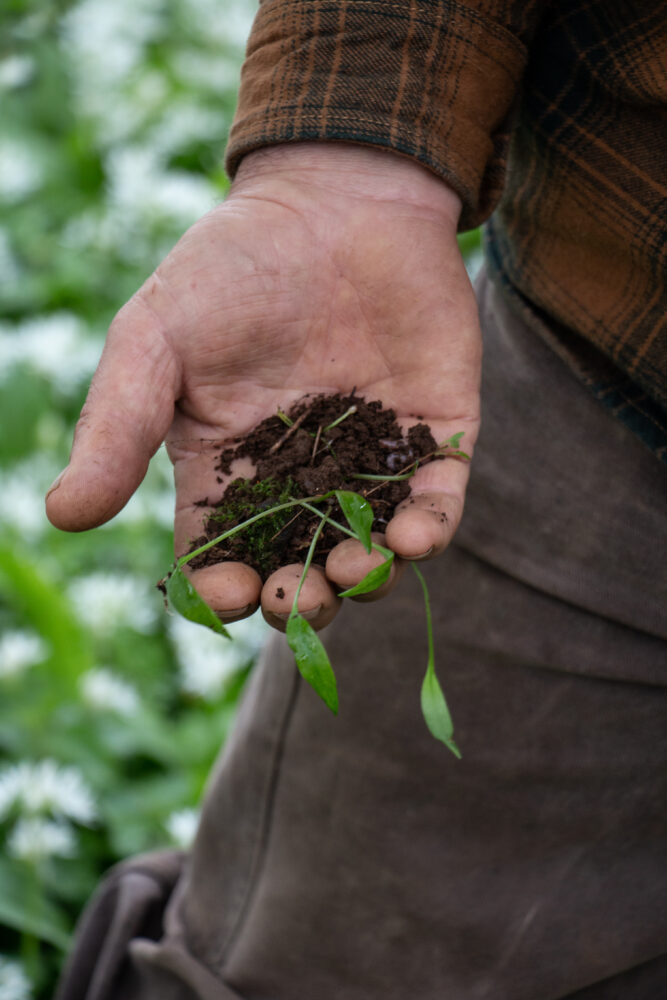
(309, 653)
(434, 706)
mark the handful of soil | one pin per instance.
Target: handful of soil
(323, 443)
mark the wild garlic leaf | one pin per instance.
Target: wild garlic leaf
(435, 711)
(372, 580)
(359, 514)
(184, 598)
(312, 660)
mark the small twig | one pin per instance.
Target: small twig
(288, 433)
(291, 521)
(317, 441)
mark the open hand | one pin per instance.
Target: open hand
(328, 267)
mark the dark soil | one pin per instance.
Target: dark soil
(304, 460)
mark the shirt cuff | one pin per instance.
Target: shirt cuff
(432, 80)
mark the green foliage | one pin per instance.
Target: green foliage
(184, 598)
(359, 515)
(312, 660)
(114, 121)
(113, 125)
(434, 707)
(243, 500)
(373, 579)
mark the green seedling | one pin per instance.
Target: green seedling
(309, 653)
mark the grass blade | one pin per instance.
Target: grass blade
(184, 598)
(358, 513)
(312, 660)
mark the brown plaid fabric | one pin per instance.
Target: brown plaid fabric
(553, 114)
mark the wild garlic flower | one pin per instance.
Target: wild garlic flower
(207, 661)
(46, 787)
(182, 826)
(105, 601)
(105, 691)
(20, 650)
(58, 347)
(34, 838)
(14, 983)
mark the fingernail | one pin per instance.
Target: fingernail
(308, 615)
(55, 484)
(423, 555)
(233, 612)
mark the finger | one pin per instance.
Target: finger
(318, 602)
(231, 589)
(123, 422)
(424, 525)
(349, 562)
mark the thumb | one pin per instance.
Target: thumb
(125, 418)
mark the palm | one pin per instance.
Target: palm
(281, 292)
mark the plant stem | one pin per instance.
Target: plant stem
(244, 524)
(348, 413)
(306, 566)
(342, 527)
(429, 620)
(388, 479)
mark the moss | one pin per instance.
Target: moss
(242, 499)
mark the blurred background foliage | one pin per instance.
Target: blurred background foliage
(114, 117)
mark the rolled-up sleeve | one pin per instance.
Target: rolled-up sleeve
(431, 79)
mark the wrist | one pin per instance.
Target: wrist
(368, 172)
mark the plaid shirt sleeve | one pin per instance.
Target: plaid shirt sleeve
(572, 93)
(432, 79)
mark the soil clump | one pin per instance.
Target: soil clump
(304, 453)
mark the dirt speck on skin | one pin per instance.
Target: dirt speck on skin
(280, 594)
(309, 459)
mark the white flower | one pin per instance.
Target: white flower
(19, 650)
(14, 983)
(207, 660)
(104, 690)
(104, 41)
(57, 347)
(230, 26)
(19, 170)
(140, 188)
(22, 490)
(182, 826)
(15, 71)
(35, 838)
(46, 787)
(105, 601)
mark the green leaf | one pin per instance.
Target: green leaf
(25, 908)
(372, 580)
(25, 584)
(454, 441)
(359, 514)
(312, 660)
(436, 712)
(184, 598)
